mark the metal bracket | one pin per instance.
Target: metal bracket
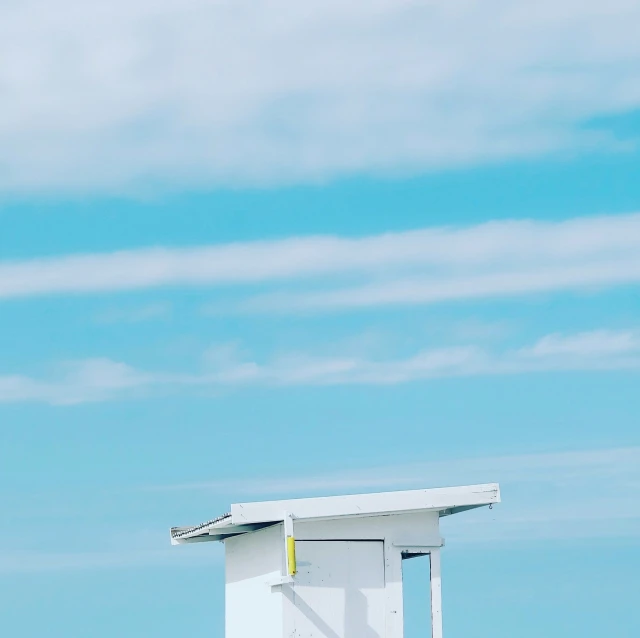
(276, 581)
(418, 546)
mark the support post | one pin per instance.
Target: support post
(436, 594)
(290, 545)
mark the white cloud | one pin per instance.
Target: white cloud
(446, 287)
(588, 494)
(75, 382)
(228, 367)
(20, 561)
(422, 266)
(137, 314)
(621, 465)
(583, 494)
(591, 344)
(103, 96)
(559, 495)
(596, 350)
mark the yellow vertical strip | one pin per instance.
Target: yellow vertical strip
(291, 555)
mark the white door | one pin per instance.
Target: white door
(338, 591)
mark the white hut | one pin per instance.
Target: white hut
(330, 567)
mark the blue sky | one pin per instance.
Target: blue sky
(332, 249)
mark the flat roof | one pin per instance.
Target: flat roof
(248, 517)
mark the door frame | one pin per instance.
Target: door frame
(435, 582)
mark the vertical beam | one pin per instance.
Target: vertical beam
(393, 590)
(436, 594)
(289, 544)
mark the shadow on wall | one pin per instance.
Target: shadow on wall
(357, 614)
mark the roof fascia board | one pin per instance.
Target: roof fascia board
(456, 510)
(218, 533)
(450, 498)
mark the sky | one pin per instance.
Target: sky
(276, 249)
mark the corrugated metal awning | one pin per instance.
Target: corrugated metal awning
(217, 529)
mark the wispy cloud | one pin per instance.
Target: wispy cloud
(19, 561)
(558, 495)
(76, 382)
(91, 546)
(444, 287)
(587, 344)
(103, 379)
(423, 266)
(142, 93)
(560, 468)
(136, 314)
(584, 494)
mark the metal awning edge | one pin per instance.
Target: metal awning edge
(184, 533)
(216, 530)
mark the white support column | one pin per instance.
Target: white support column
(393, 590)
(289, 545)
(436, 595)
(288, 555)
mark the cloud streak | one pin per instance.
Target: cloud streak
(28, 561)
(423, 266)
(75, 382)
(448, 287)
(103, 379)
(557, 467)
(189, 92)
(134, 315)
(557, 495)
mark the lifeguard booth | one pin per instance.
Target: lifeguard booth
(330, 567)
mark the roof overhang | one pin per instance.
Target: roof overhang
(248, 517)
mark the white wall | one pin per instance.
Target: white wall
(339, 591)
(252, 608)
(256, 610)
(396, 530)
(417, 527)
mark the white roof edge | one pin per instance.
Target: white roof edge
(204, 532)
(182, 534)
(438, 499)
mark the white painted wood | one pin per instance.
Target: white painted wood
(398, 531)
(349, 556)
(251, 607)
(436, 595)
(416, 547)
(288, 533)
(339, 591)
(215, 532)
(276, 581)
(419, 528)
(394, 619)
(288, 524)
(367, 504)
